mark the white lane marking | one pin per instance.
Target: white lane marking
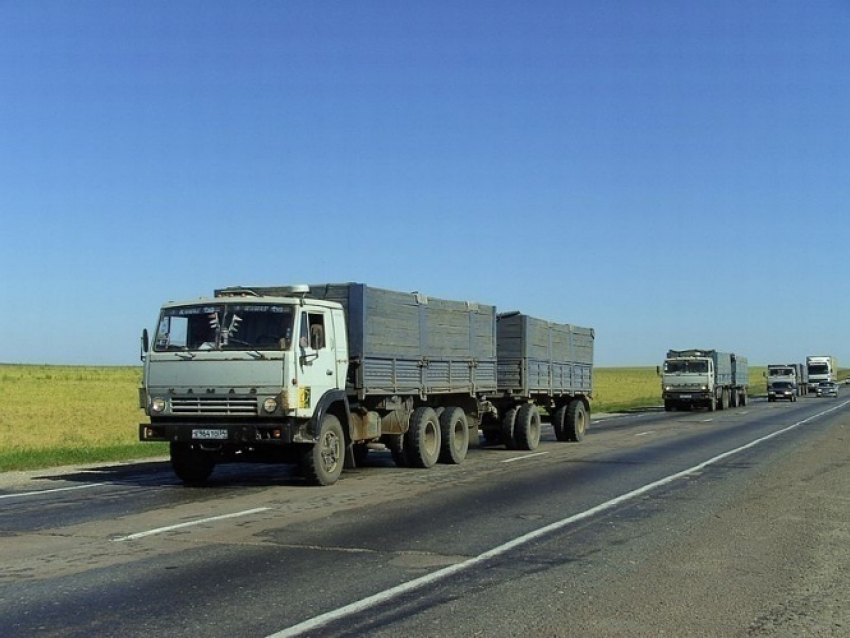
(445, 572)
(645, 433)
(525, 456)
(50, 491)
(168, 528)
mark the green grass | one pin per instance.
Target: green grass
(70, 415)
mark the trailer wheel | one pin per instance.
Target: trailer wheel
(454, 435)
(744, 399)
(191, 464)
(322, 462)
(559, 422)
(527, 427)
(576, 425)
(508, 423)
(733, 399)
(422, 439)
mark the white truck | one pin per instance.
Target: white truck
(821, 368)
(319, 375)
(704, 378)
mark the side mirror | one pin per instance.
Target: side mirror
(658, 371)
(146, 344)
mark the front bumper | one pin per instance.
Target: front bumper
(220, 434)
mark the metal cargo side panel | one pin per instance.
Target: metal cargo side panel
(510, 348)
(459, 375)
(380, 375)
(408, 342)
(540, 356)
(458, 329)
(742, 371)
(723, 367)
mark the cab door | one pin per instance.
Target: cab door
(317, 360)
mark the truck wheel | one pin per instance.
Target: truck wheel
(576, 420)
(454, 435)
(712, 404)
(508, 423)
(422, 439)
(322, 462)
(733, 399)
(191, 464)
(527, 427)
(743, 400)
(559, 422)
(724, 399)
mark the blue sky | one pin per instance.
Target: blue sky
(675, 174)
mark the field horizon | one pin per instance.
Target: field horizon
(52, 415)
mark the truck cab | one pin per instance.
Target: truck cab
(687, 382)
(240, 374)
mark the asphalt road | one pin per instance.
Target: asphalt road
(730, 523)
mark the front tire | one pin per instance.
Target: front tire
(454, 436)
(190, 463)
(324, 460)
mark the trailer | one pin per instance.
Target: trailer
(704, 378)
(319, 375)
(544, 364)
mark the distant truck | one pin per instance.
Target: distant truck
(704, 378)
(782, 376)
(319, 375)
(821, 368)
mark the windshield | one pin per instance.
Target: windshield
(818, 368)
(686, 365)
(780, 372)
(226, 327)
(780, 384)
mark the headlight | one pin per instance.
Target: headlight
(270, 405)
(158, 405)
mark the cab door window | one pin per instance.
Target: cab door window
(312, 331)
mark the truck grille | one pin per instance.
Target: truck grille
(214, 404)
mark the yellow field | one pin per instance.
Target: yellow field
(51, 415)
(70, 414)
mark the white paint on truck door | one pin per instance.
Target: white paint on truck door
(317, 358)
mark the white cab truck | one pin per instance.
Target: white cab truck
(821, 368)
(787, 380)
(704, 378)
(318, 375)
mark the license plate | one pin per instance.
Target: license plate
(684, 396)
(216, 435)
